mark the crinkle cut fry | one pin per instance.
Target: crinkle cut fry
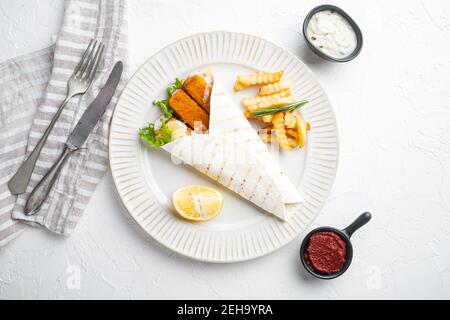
(262, 77)
(248, 101)
(280, 131)
(276, 87)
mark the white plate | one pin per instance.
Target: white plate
(146, 179)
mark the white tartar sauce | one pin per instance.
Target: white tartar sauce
(332, 34)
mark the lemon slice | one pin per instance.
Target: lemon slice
(197, 203)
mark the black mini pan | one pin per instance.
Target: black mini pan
(359, 36)
(345, 235)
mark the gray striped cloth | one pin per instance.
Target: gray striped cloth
(31, 89)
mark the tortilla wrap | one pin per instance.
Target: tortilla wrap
(232, 154)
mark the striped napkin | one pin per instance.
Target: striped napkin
(31, 89)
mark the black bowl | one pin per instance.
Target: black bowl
(345, 235)
(359, 37)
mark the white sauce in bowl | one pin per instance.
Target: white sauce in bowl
(332, 34)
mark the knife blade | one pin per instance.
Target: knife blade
(76, 139)
(95, 110)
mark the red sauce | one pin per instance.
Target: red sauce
(325, 252)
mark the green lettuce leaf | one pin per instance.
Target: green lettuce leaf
(165, 108)
(164, 104)
(156, 138)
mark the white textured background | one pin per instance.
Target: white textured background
(393, 109)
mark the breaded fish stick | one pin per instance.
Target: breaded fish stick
(188, 110)
(197, 87)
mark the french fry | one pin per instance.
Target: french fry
(266, 137)
(267, 119)
(267, 129)
(248, 114)
(275, 102)
(262, 77)
(292, 142)
(252, 108)
(266, 134)
(238, 86)
(248, 101)
(302, 128)
(289, 120)
(292, 133)
(276, 87)
(280, 132)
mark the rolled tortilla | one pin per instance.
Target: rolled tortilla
(233, 155)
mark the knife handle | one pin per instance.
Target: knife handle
(19, 182)
(42, 189)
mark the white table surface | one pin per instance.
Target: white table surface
(393, 109)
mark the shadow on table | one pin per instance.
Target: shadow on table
(305, 275)
(313, 61)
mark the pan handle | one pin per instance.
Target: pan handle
(358, 223)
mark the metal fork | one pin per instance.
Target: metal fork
(78, 84)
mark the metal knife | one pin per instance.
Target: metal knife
(76, 139)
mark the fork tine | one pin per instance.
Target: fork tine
(77, 68)
(88, 59)
(97, 58)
